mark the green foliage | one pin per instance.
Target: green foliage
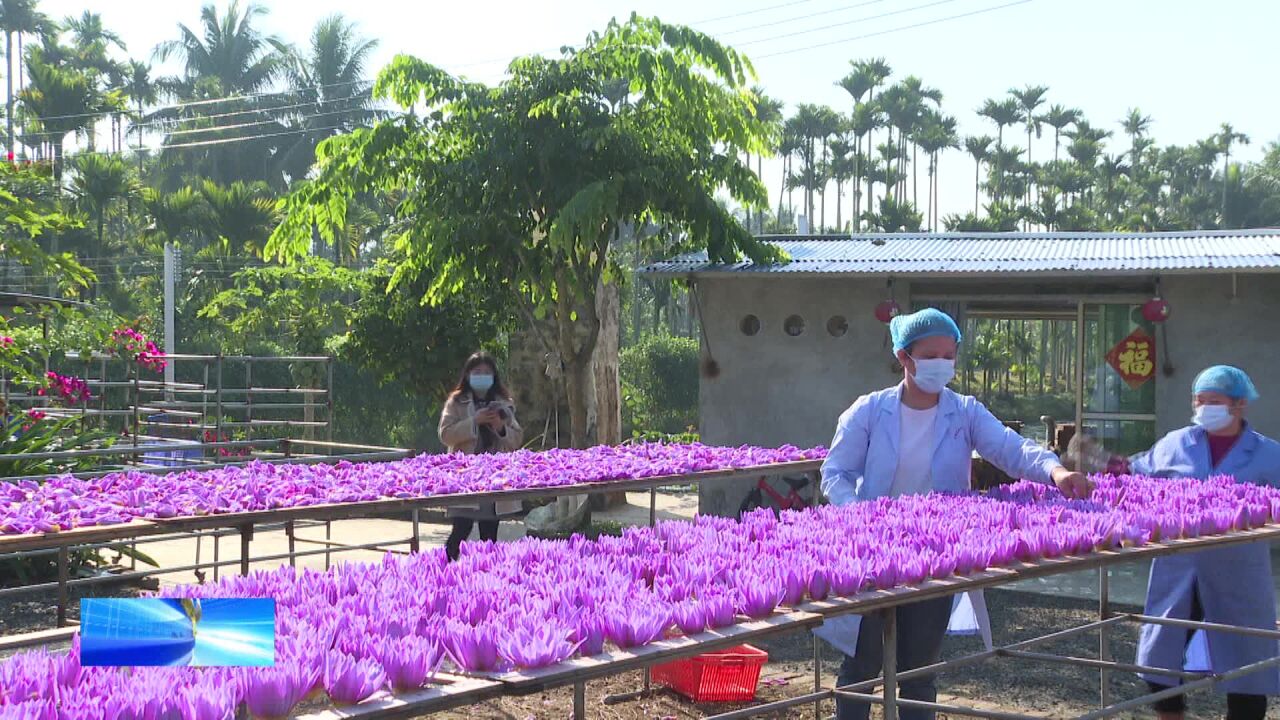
(304, 304)
(399, 338)
(659, 377)
(22, 434)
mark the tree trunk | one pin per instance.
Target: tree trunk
(760, 174)
(1043, 361)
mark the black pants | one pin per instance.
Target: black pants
(462, 530)
(1239, 705)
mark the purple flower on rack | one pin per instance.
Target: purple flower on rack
(410, 661)
(473, 648)
(535, 644)
(760, 596)
(633, 624)
(348, 680)
(273, 692)
(690, 617)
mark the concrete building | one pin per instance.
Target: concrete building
(796, 343)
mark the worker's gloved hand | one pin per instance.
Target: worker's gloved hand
(1074, 485)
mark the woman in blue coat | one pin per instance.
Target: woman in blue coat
(915, 438)
(1230, 585)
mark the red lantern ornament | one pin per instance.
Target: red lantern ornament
(887, 311)
(1156, 310)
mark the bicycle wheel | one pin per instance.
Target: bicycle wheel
(753, 501)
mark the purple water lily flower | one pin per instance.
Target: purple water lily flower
(690, 617)
(348, 680)
(473, 648)
(273, 692)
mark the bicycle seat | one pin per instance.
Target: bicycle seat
(796, 482)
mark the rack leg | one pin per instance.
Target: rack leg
(64, 562)
(288, 531)
(415, 542)
(890, 664)
(817, 676)
(653, 506)
(328, 529)
(1104, 649)
(246, 534)
(216, 544)
(580, 700)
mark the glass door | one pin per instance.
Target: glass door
(1116, 395)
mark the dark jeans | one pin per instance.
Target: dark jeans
(462, 530)
(1239, 705)
(921, 628)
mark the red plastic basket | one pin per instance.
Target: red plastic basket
(725, 676)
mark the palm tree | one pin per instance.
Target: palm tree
(860, 82)
(225, 56)
(1226, 138)
(1058, 118)
(328, 80)
(768, 112)
(241, 216)
(1136, 125)
(228, 52)
(979, 148)
(100, 180)
(62, 100)
(173, 216)
(1029, 99)
(918, 93)
(142, 91)
(866, 117)
(1002, 113)
(840, 169)
(17, 17)
(787, 149)
(938, 134)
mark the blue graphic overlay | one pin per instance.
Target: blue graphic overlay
(215, 632)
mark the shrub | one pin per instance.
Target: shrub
(659, 376)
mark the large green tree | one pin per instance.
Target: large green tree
(524, 185)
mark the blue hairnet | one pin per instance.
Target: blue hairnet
(906, 329)
(1230, 381)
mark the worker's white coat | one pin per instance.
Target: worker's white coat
(1234, 583)
(864, 455)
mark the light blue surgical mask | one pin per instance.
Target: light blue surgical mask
(480, 382)
(1212, 417)
(933, 375)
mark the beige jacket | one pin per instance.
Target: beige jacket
(459, 433)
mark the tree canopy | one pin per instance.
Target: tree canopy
(525, 184)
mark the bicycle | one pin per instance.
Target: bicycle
(763, 495)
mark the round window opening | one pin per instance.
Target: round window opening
(750, 325)
(837, 326)
(793, 325)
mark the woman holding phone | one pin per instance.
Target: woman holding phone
(479, 417)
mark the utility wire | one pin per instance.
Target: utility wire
(894, 30)
(824, 28)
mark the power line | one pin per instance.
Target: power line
(913, 8)
(798, 18)
(897, 29)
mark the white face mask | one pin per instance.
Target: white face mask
(933, 375)
(1212, 417)
(480, 382)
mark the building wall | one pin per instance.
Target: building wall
(773, 388)
(1209, 327)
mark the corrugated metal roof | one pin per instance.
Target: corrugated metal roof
(988, 253)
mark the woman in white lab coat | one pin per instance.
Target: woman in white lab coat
(1229, 585)
(915, 438)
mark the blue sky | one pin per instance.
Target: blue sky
(1191, 65)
